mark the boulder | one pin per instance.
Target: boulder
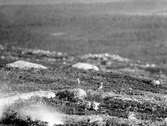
(79, 93)
(85, 66)
(25, 65)
(72, 94)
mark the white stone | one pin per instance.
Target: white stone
(85, 66)
(95, 105)
(25, 65)
(132, 116)
(156, 82)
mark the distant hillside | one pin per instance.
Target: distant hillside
(52, 13)
(94, 28)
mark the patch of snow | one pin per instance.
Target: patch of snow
(25, 96)
(85, 66)
(46, 52)
(58, 34)
(145, 65)
(25, 65)
(119, 58)
(43, 113)
(9, 100)
(39, 52)
(99, 120)
(107, 55)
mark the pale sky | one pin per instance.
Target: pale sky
(80, 1)
(72, 1)
(139, 5)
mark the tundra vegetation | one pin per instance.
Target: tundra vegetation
(122, 92)
(82, 64)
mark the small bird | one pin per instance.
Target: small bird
(100, 88)
(79, 82)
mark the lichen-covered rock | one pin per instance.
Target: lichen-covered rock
(85, 66)
(72, 94)
(25, 65)
(79, 93)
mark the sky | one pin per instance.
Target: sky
(74, 1)
(54, 1)
(148, 5)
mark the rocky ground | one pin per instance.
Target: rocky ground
(107, 90)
